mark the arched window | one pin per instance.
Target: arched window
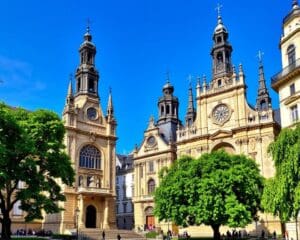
(151, 186)
(91, 86)
(291, 54)
(90, 157)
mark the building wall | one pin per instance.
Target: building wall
(124, 192)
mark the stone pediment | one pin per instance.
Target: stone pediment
(221, 134)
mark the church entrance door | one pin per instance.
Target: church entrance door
(90, 217)
(150, 222)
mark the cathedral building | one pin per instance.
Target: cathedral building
(90, 141)
(221, 119)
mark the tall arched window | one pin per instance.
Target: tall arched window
(90, 157)
(291, 54)
(151, 186)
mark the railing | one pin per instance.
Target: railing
(93, 190)
(285, 71)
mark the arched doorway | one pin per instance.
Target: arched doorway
(90, 217)
(150, 220)
(227, 147)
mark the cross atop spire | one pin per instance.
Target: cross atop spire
(260, 55)
(190, 78)
(88, 25)
(168, 76)
(218, 9)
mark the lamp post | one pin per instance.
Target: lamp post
(77, 221)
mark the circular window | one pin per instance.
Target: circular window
(91, 113)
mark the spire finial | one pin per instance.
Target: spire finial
(168, 76)
(260, 55)
(295, 3)
(218, 8)
(88, 24)
(190, 78)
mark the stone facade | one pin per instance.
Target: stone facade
(223, 119)
(287, 82)
(90, 140)
(124, 192)
(158, 150)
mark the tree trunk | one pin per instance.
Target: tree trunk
(217, 235)
(6, 225)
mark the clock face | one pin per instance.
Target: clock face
(91, 113)
(151, 141)
(221, 113)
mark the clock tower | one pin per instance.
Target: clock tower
(91, 144)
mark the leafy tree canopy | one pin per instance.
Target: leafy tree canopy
(215, 189)
(282, 193)
(31, 154)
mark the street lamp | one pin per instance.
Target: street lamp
(77, 221)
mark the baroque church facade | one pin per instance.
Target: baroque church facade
(221, 119)
(90, 141)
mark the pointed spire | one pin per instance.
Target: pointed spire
(190, 113)
(263, 100)
(198, 87)
(70, 87)
(70, 97)
(110, 108)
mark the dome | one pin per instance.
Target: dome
(220, 27)
(168, 88)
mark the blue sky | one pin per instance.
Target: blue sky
(137, 43)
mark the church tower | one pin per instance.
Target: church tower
(168, 112)
(90, 141)
(221, 51)
(287, 81)
(157, 150)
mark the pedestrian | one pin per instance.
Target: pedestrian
(119, 237)
(103, 235)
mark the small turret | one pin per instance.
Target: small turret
(70, 97)
(190, 113)
(110, 107)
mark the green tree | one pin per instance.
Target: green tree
(216, 189)
(281, 195)
(31, 153)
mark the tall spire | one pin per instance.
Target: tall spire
(110, 107)
(263, 100)
(190, 114)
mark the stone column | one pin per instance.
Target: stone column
(106, 215)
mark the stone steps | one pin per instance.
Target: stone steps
(96, 234)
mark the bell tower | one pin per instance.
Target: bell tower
(87, 76)
(221, 51)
